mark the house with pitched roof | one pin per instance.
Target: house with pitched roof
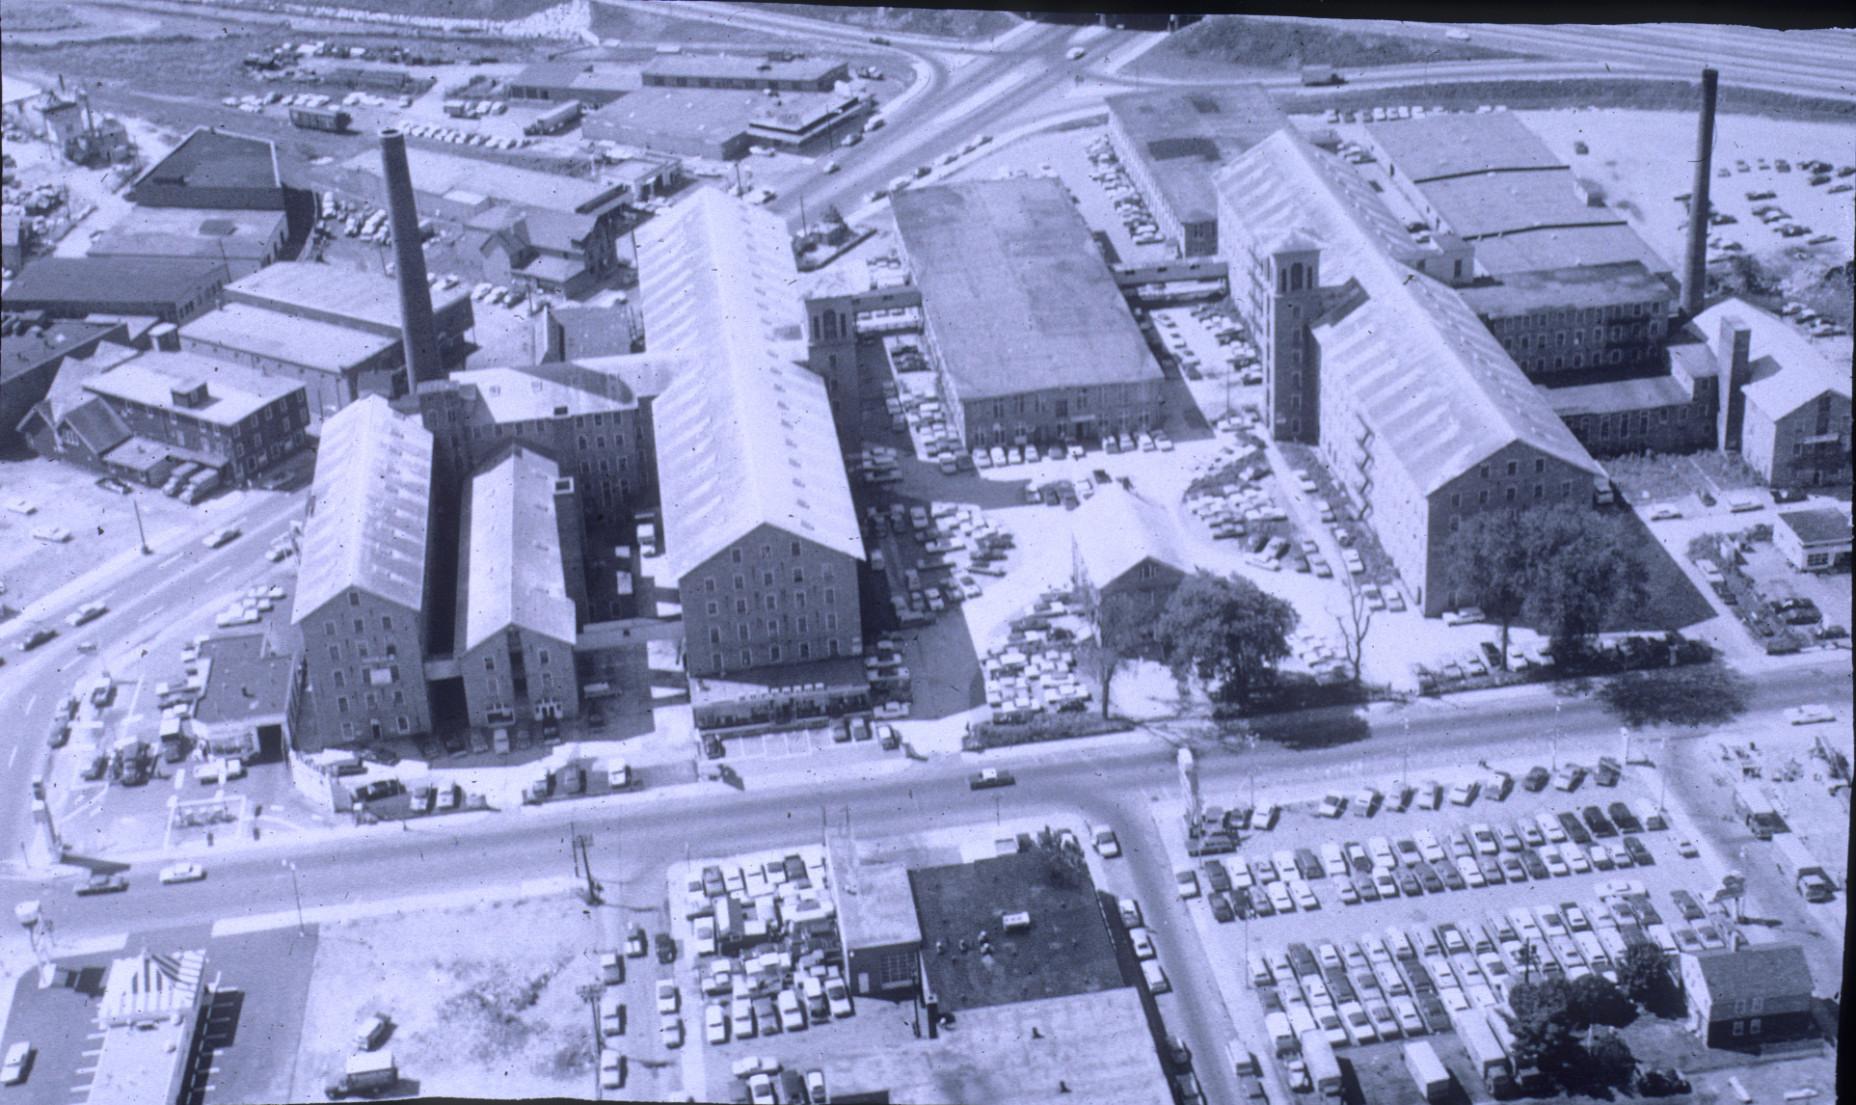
(1760, 994)
(362, 599)
(1128, 548)
(1785, 406)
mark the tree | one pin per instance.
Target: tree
(1543, 1029)
(1118, 629)
(1226, 631)
(1641, 972)
(1354, 623)
(1585, 570)
(1487, 562)
(1593, 999)
(1608, 1060)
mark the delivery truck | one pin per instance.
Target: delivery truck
(1427, 1070)
(1801, 867)
(1485, 1051)
(1323, 1068)
(366, 1074)
(1755, 808)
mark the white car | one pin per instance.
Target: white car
(668, 999)
(182, 872)
(1810, 715)
(1142, 943)
(715, 1025)
(741, 1019)
(1664, 512)
(670, 1032)
(1155, 977)
(611, 1069)
(18, 1062)
(90, 611)
(220, 537)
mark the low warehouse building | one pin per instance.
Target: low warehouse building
(1742, 999)
(244, 240)
(1029, 333)
(364, 303)
(758, 73)
(1814, 540)
(1786, 407)
(172, 289)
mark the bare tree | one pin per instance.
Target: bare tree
(1117, 639)
(1354, 624)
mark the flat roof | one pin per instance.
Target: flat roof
(750, 68)
(1617, 396)
(368, 298)
(212, 158)
(1435, 147)
(234, 392)
(697, 113)
(590, 75)
(193, 232)
(437, 174)
(1818, 526)
(312, 343)
(1425, 373)
(76, 280)
(1578, 287)
(514, 577)
(1097, 1046)
(21, 353)
(370, 509)
(1185, 137)
(1015, 291)
(1565, 247)
(876, 907)
(242, 682)
(1066, 950)
(531, 393)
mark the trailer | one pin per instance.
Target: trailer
(331, 119)
(1797, 863)
(1314, 76)
(1427, 1070)
(1323, 1067)
(554, 120)
(1485, 1051)
(1753, 806)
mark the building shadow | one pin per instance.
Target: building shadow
(1699, 695)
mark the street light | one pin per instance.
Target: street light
(297, 890)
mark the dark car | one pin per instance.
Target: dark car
(1429, 879)
(385, 757)
(1536, 780)
(1788, 495)
(102, 884)
(353, 766)
(989, 778)
(1451, 876)
(1639, 852)
(378, 789)
(1365, 888)
(1408, 883)
(1491, 870)
(1574, 830)
(1625, 820)
(1221, 909)
(1493, 655)
(1536, 867)
(712, 746)
(96, 769)
(60, 734)
(1216, 875)
(1260, 905)
(666, 948)
(1596, 821)
(1691, 909)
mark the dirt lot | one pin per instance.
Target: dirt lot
(101, 523)
(474, 1013)
(949, 23)
(1225, 45)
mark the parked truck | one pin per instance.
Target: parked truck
(1801, 867)
(1755, 808)
(554, 120)
(1427, 1070)
(331, 119)
(1282, 1037)
(366, 1074)
(1323, 1068)
(1485, 1051)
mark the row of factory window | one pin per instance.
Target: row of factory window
(1577, 316)
(773, 626)
(770, 600)
(1583, 425)
(376, 676)
(341, 701)
(541, 660)
(775, 654)
(1510, 496)
(349, 731)
(1619, 332)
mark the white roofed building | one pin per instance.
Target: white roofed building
(1421, 415)
(516, 620)
(1129, 548)
(361, 593)
(1788, 405)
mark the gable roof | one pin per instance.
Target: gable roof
(1412, 360)
(97, 425)
(720, 278)
(370, 508)
(1788, 371)
(514, 575)
(1115, 530)
(1765, 971)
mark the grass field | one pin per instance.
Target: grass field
(20, 15)
(945, 22)
(449, 9)
(1261, 43)
(629, 26)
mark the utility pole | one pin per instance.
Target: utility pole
(297, 890)
(589, 992)
(140, 533)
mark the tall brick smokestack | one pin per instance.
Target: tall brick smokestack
(1695, 265)
(418, 332)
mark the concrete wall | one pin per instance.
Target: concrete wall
(745, 608)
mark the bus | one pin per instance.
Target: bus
(1754, 807)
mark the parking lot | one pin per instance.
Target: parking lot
(1329, 951)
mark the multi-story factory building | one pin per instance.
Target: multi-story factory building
(363, 586)
(1173, 144)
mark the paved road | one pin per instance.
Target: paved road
(145, 596)
(1117, 784)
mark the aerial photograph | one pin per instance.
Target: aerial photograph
(792, 553)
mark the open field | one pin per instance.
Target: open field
(439, 9)
(631, 26)
(19, 15)
(1213, 46)
(474, 1012)
(947, 22)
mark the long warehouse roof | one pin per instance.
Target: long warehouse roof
(515, 575)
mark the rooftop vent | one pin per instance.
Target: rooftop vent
(192, 395)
